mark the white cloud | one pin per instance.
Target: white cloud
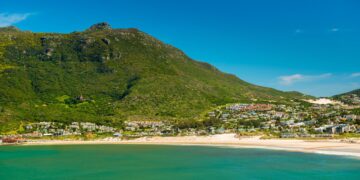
(288, 80)
(291, 79)
(334, 29)
(354, 75)
(298, 31)
(7, 19)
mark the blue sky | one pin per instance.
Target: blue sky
(304, 45)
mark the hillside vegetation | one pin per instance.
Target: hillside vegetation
(356, 92)
(351, 98)
(109, 75)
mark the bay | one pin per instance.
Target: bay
(169, 162)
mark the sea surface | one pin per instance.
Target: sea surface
(169, 162)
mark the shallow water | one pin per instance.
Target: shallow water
(168, 162)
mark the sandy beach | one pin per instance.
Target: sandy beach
(330, 147)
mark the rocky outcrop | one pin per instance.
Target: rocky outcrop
(49, 51)
(100, 26)
(9, 29)
(106, 41)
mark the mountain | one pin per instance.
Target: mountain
(107, 75)
(352, 97)
(357, 92)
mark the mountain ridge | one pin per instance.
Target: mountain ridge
(355, 91)
(120, 74)
(351, 97)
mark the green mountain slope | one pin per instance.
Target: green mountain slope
(110, 75)
(357, 92)
(352, 97)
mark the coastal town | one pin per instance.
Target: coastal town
(298, 120)
(284, 121)
(351, 98)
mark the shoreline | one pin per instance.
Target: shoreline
(326, 147)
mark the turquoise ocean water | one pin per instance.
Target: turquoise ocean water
(168, 162)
